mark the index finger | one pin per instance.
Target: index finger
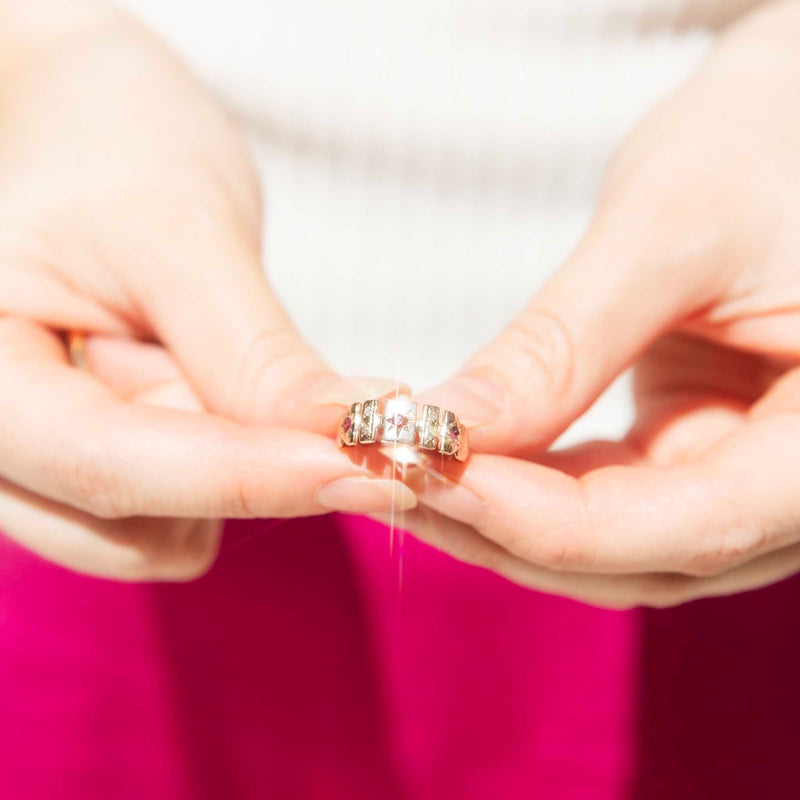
(737, 501)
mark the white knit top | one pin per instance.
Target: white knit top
(413, 149)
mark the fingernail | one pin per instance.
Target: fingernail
(345, 391)
(366, 495)
(452, 499)
(475, 399)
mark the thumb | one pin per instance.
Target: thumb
(238, 347)
(602, 308)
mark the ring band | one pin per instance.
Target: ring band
(404, 422)
(76, 349)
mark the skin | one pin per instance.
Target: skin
(689, 272)
(129, 210)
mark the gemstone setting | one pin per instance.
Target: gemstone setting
(348, 429)
(399, 422)
(406, 423)
(428, 424)
(450, 435)
(368, 432)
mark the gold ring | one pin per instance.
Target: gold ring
(404, 422)
(76, 348)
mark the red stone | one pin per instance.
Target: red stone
(399, 421)
(347, 424)
(452, 431)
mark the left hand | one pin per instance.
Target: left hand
(130, 212)
(690, 271)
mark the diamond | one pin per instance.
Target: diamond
(429, 427)
(369, 413)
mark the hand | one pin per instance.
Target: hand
(129, 210)
(691, 271)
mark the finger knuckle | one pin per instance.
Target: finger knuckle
(244, 489)
(271, 352)
(92, 484)
(542, 339)
(237, 500)
(558, 551)
(722, 550)
(566, 545)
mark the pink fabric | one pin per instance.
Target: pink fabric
(288, 672)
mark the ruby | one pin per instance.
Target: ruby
(399, 421)
(347, 424)
(453, 432)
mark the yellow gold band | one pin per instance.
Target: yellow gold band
(400, 421)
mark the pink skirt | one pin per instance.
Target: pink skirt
(295, 670)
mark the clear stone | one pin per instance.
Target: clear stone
(429, 427)
(368, 431)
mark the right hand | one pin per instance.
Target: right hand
(690, 272)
